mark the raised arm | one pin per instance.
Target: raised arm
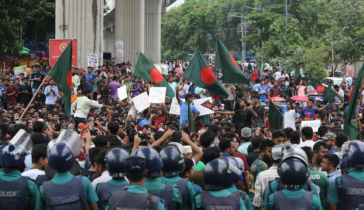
(198, 152)
(324, 107)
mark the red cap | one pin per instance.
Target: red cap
(81, 125)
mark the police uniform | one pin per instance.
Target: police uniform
(299, 195)
(246, 199)
(17, 192)
(321, 181)
(186, 189)
(104, 190)
(219, 198)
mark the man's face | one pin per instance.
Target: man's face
(267, 155)
(242, 103)
(37, 69)
(89, 70)
(190, 99)
(330, 143)
(275, 84)
(256, 101)
(309, 104)
(11, 83)
(79, 92)
(126, 80)
(17, 81)
(4, 117)
(319, 155)
(25, 81)
(325, 164)
(51, 82)
(231, 149)
(235, 144)
(279, 140)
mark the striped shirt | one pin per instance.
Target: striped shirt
(262, 182)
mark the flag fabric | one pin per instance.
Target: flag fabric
(202, 75)
(329, 94)
(230, 69)
(275, 117)
(144, 69)
(191, 124)
(315, 82)
(207, 104)
(350, 128)
(62, 75)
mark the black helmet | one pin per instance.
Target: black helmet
(294, 173)
(152, 161)
(115, 162)
(173, 161)
(356, 154)
(219, 174)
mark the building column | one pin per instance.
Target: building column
(153, 17)
(129, 28)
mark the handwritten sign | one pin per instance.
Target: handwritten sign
(141, 102)
(314, 124)
(122, 93)
(157, 95)
(203, 110)
(175, 109)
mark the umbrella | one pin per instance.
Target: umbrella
(276, 99)
(299, 98)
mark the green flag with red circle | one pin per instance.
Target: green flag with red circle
(144, 69)
(199, 72)
(230, 69)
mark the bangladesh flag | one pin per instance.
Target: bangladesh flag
(202, 75)
(207, 104)
(329, 94)
(144, 69)
(230, 69)
(191, 124)
(350, 127)
(275, 118)
(62, 75)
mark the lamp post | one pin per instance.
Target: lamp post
(243, 30)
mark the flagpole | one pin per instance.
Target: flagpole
(359, 102)
(31, 101)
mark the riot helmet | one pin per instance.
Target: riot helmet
(173, 161)
(115, 162)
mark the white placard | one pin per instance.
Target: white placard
(175, 109)
(157, 95)
(141, 102)
(314, 124)
(203, 110)
(122, 93)
(132, 110)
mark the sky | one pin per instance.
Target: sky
(175, 4)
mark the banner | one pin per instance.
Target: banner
(119, 48)
(122, 93)
(175, 109)
(20, 69)
(157, 95)
(56, 48)
(314, 124)
(203, 110)
(92, 60)
(141, 102)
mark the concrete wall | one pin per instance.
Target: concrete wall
(81, 20)
(153, 16)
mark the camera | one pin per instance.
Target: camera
(144, 135)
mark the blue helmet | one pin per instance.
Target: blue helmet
(1, 149)
(19, 147)
(219, 174)
(115, 162)
(173, 161)
(294, 173)
(356, 154)
(234, 161)
(61, 158)
(152, 161)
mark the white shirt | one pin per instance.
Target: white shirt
(186, 87)
(51, 97)
(277, 75)
(33, 173)
(262, 182)
(105, 177)
(76, 80)
(289, 119)
(307, 143)
(84, 105)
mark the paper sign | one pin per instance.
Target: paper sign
(175, 109)
(132, 110)
(203, 110)
(122, 93)
(157, 95)
(20, 69)
(141, 102)
(314, 124)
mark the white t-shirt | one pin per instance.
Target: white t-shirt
(277, 75)
(289, 119)
(186, 87)
(33, 173)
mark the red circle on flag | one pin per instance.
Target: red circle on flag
(156, 75)
(233, 60)
(207, 76)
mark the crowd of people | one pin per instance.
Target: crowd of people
(107, 157)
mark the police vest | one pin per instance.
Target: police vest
(65, 197)
(308, 186)
(167, 196)
(105, 191)
(41, 179)
(182, 186)
(283, 202)
(352, 193)
(242, 195)
(210, 202)
(125, 200)
(13, 194)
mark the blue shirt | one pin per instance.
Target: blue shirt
(192, 90)
(332, 150)
(263, 89)
(90, 77)
(309, 114)
(255, 87)
(332, 177)
(184, 112)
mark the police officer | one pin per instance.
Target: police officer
(347, 192)
(16, 191)
(154, 184)
(115, 163)
(237, 162)
(136, 195)
(1, 165)
(66, 191)
(173, 165)
(343, 156)
(294, 174)
(277, 185)
(218, 177)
